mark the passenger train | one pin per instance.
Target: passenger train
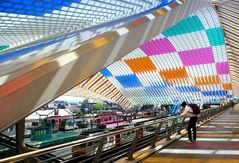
(113, 141)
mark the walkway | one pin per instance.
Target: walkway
(218, 142)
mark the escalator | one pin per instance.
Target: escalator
(8, 148)
(7, 141)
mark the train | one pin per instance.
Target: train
(113, 117)
(108, 117)
(65, 123)
(145, 114)
(90, 148)
(70, 124)
(55, 121)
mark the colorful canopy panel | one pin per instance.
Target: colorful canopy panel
(186, 62)
(229, 16)
(25, 21)
(98, 87)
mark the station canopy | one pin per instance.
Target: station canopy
(187, 62)
(26, 22)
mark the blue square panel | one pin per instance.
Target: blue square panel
(66, 3)
(187, 89)
(206, 93)
(214, 93)
(47, 11)
(58, 1)
(38, 4)
(229, 96)
(9, 10)
(15, 1)
(30, 12)
(48, 5)
(9, 6)
(29, 8)
(106, 72)
(154, 91)
(39, 9)
(20, 11)
(129, 81)
(221, 93)
(6, 4)
(57, 7)
(18, 6)
(27, 2)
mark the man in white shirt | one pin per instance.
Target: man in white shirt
(188, 111)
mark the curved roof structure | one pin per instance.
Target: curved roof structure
(230, 22)
(28, 21)
(33, 75)
(188, 62)
(45, 53)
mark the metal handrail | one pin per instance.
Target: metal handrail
(86, 140)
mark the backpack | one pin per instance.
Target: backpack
(195, 109)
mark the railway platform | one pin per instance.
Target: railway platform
(217, 142)
(162, 140)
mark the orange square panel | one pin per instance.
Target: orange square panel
(175, 73)
(139, 65)
(206, 80)
(227, 86)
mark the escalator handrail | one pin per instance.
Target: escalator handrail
(7, 137)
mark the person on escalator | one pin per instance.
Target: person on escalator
(189, 112)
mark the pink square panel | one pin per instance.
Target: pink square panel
(157, 46)
(197, 56)
(222, 68)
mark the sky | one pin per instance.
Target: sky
(71, 99)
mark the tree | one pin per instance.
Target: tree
(63, 106)
(78, 112)
(99, 106)
(84, 103)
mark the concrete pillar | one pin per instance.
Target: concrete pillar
(20, 130)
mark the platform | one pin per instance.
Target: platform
(217, 142)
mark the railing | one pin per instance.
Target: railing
(113, 145)
(7, 141)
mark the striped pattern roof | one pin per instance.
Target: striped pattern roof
(229, 15)
(186, 62)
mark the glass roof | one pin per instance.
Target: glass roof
(186, 62)
(25, 21)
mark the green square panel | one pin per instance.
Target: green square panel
(215, 36)
(3, 47)
(187, 25)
